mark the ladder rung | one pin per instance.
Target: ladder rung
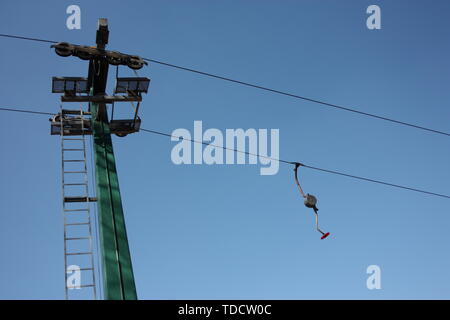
(73, 160)
(77, 253)
(75, 210)
(80, 199)
(86, 269)
(80, 286)
(78, 238)
(77, 224)
(73, 149)
(75, 172)
(78, 139)
(75, 184)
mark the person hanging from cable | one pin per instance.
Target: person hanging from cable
(310, 200)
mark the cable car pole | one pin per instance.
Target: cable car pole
(117, 271)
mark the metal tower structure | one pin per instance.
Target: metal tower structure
(73, 125)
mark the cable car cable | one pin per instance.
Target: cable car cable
(285, 93)
(306, 166)
(269, 158)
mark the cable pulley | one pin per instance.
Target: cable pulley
(115, 58)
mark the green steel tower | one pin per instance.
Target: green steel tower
(117, 271)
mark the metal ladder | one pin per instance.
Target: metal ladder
(78, 239)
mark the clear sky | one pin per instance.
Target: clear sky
(225, 231)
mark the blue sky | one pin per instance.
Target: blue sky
(225, 231)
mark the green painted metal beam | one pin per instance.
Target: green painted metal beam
(118, 279)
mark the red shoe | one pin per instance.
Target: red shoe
(325, 235)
